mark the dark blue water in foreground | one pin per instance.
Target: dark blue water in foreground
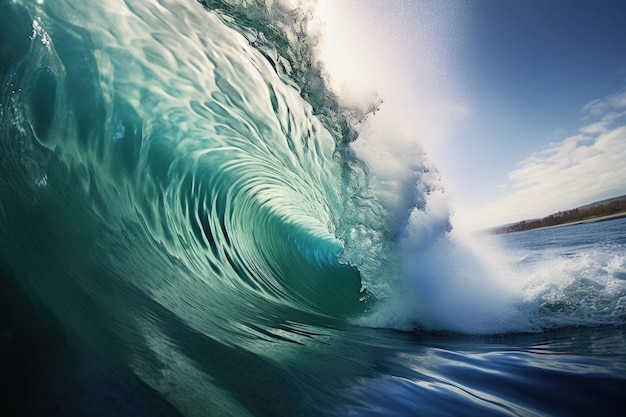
(186, 229)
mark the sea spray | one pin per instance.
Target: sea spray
(430, 277)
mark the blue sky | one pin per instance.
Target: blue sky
(520, 104)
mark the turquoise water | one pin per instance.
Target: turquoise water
(186, 229)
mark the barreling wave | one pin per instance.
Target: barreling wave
(182, 194)
(167, 162)
(186, 166)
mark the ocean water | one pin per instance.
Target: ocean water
(190, 225)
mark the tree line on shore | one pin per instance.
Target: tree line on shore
(568, 216)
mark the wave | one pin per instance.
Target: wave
(182, 194)
(184, 160)
(178, 164)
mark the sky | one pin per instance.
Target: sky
(521, 105)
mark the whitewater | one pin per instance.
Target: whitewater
(192, 223)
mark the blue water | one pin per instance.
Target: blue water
(186, 228)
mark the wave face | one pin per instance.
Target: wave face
(177, 161)
(171, 198)
(162, 184)
(180, 193)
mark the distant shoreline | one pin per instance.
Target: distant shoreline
(583, 221)
(612, 208)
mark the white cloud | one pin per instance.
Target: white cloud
(579, 169)
(595, 128)
(604, 105)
